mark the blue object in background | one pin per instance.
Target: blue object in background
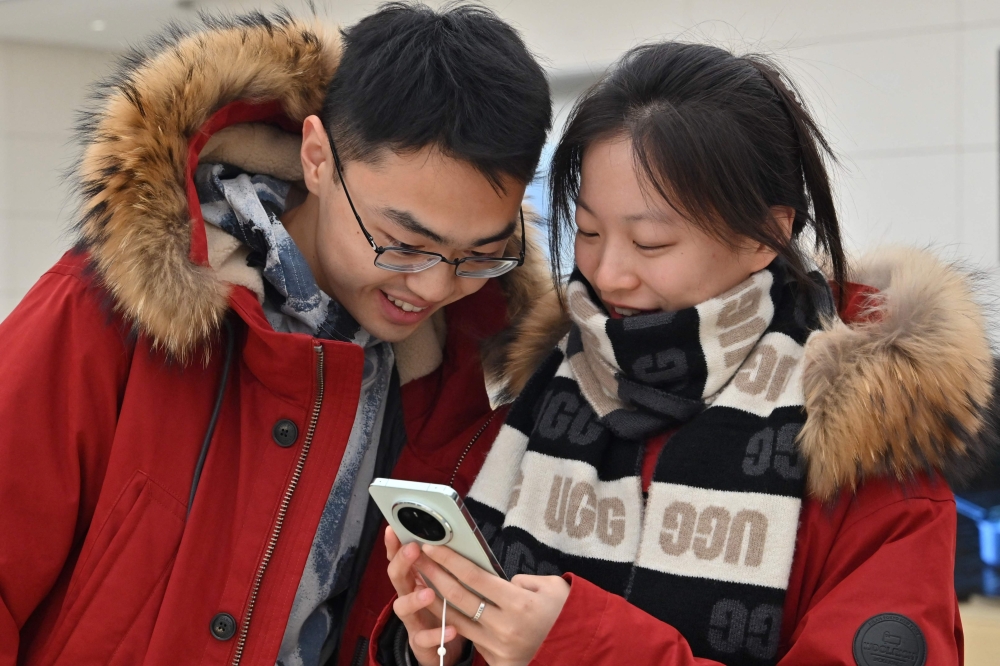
(988, 522)
(977, 562)
(537, 192)
(536, 195)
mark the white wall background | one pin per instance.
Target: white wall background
(40, 86)
(906, 89)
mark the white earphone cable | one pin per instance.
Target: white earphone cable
(441, 650)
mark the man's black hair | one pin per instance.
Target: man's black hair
(460, 79)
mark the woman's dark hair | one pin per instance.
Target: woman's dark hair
(720, 137)
(459, 78)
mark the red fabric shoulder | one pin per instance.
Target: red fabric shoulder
(857, 301)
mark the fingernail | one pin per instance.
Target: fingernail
(428, 548)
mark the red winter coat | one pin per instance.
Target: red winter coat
(111, 366)
(894, 395)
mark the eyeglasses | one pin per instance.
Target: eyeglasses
(404, 260)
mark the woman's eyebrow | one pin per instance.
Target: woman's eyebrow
(634, 217)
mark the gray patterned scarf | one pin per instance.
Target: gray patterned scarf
(248, 207)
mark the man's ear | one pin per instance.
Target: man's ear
(316, 156)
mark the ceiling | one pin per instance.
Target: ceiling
(573, 38)
(111, 25)
(554, 29)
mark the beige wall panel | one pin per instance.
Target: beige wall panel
(41, 88)
(34, 164)
(979, 235)
(785, 20)
(979, 10)
(882, 95)
(980, 53)
(910, 200)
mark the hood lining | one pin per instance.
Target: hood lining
(235, 112)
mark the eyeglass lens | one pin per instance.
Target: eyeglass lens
(412, 262)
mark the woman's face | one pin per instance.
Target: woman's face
(639, 253)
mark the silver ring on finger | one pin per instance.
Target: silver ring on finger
(479, 613)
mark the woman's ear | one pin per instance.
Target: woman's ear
(785, 217)
(761, 255)
(316, 156)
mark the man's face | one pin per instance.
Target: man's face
(422, 200)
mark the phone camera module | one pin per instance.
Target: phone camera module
(423, 524)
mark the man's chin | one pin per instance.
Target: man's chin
(393, 334)
(388, 331)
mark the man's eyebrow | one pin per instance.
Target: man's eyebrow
(406, 220)
(503, 234)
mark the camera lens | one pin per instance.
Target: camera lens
(421, 524)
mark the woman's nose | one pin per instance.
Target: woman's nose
(615, 273)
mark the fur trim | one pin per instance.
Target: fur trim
(134, 214)
(533, 313)
(515, 355)
(906, 390)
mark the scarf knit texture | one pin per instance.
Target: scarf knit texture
(248, 208)
(709, 549)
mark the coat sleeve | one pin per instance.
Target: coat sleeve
(894, 554)
(897, 558)
(62, 363)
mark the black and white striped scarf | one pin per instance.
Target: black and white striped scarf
(709, 550)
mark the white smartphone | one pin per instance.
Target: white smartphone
(434, 514)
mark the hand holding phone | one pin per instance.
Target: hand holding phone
(433, 514)
(419, 608)
(519, 615)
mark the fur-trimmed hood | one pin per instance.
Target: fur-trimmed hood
(906, 387)
(166, 107)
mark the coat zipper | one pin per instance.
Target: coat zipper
(286, 499)
(468, 448)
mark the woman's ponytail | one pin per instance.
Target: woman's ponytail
(813, 147)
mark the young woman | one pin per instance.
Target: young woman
(710, 467)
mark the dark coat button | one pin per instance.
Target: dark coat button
(223, 626)
(285, 433)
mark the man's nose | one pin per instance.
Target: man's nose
(434, 284)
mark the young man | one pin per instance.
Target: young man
(253, 325)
